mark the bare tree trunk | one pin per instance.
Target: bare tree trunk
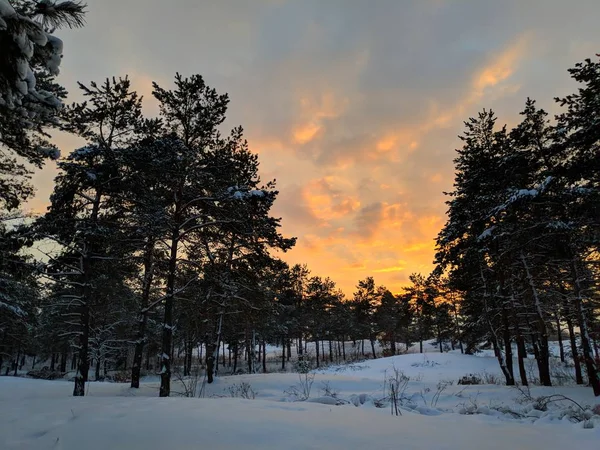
(283, 354)
(141, 332)
(235, 357)
(97, 369)
(574, 352)
(561, 347)
(210, 362)
(494, 337)
(81, 375)
(17, 361)
(521, 349)
(317, 348)
(544, 354)
(593, 371)
(167, 335)
(63, 360)
(373, 347)
(330, 351)
(264, 356)
(508, 346)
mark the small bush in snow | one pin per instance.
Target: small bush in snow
(425, 363)
(328, 391)
(470, 379)
(302, 366)
(301, 390)
(396, 383)
(242, 390)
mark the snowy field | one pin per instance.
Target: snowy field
(348, 408)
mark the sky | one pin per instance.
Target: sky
(354, 106)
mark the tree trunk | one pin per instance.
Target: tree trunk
(53, 362)
(507, 346)
(544, 354)
(143, 320)
(521, 349)
(561, 347)
(330, 351)
(17, 361)
(235, 357)
(210, 361)
(574, 352)
(264, 356)
(97, 370)
(283, 354)
(317, 348)
(593, 371)
(167, 335)
(373, 348)
(494, 337)
(63, 360)
(83, 367)
(289, 349)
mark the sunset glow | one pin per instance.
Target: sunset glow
(354, 107)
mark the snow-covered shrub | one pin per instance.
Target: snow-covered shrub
(425, 363)
(189, 384)
(396, 383)
(562, 374)
(301, 390)
(470, 379)
(45, 374)
(302, 366)
(242, 390)
(328, 391)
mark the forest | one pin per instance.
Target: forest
(159, 252)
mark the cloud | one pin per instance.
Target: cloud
(355, 109)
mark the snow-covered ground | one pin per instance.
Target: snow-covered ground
(436, 413)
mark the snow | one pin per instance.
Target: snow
(41, 414)
(57, 50)
(14, 309)
(6, 10)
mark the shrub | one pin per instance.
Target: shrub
(470, 379)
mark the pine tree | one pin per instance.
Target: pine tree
(30, 100)
(85, 213)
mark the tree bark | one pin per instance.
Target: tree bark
(283, 354)
(593, 371)
(544, 354)
(561, 346)
(143, 320)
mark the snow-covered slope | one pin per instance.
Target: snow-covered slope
(41, 414)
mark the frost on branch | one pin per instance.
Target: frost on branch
(28, 47)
